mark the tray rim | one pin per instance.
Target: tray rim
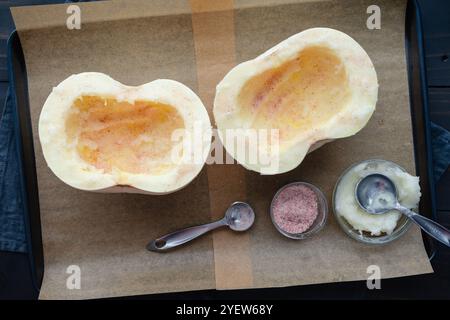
(27, 166)
(29, 186)
(417, 76)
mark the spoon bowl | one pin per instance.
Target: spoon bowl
(376, 194)
(240, 216)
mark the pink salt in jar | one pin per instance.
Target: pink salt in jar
(299, 210)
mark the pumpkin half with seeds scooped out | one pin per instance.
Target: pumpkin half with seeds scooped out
(100, 135)
(314, 87)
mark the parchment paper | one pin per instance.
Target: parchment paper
(196, 43)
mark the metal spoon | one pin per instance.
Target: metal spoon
(376, 194)
(239, 217)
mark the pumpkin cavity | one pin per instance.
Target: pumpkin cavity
(130, 137)
(298, 95)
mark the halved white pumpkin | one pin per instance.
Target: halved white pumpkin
(100, 135)
(316, 86)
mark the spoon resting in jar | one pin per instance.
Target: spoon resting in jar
(377, 194)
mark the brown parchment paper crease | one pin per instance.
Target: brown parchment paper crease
(196, 42)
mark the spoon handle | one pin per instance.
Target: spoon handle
(179, 237)
(431, 227)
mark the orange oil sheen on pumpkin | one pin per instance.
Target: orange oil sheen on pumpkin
(301, 92)
(131, 137)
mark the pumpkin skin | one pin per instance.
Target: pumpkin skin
(100, 135)
(314, 87)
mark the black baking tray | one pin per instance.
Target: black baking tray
(421, 134)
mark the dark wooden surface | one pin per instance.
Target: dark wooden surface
(436, 25)
(15, 277)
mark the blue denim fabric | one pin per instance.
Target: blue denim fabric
(12, 227)
(440, 144)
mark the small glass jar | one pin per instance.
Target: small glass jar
(318, 223)
(403, 223)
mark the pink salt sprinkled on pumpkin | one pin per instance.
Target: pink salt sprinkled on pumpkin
(295, 208)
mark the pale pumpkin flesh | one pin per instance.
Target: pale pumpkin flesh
(98, 134)
(312, 88)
